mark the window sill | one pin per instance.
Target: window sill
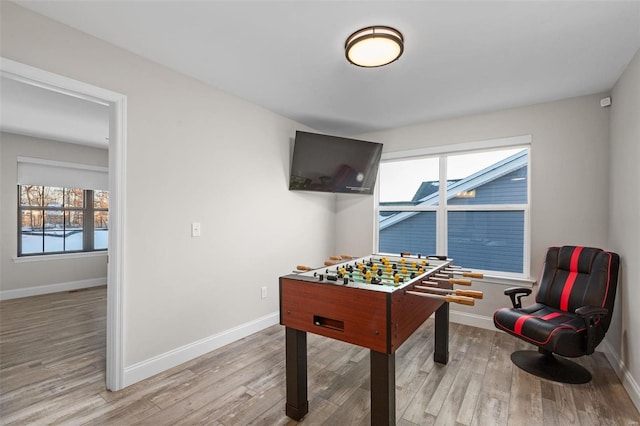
(509, 281)
(65, 256)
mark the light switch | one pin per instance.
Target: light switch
(195, 229)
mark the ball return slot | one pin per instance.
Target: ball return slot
(329, 323)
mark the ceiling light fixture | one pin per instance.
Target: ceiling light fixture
(374, 46)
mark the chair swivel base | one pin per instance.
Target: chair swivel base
(550, 367)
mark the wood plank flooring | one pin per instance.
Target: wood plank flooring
(52, 371)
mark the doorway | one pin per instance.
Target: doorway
(117, 190)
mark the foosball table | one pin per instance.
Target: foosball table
(376, 302)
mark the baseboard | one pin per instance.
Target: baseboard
(152, 366)
(628, 381)
(51, 288)
(155, 365)
(473, 320)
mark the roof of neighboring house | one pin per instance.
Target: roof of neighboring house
(427, 193)
(429, 187)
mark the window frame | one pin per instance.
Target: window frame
(88, 228)
(443, 208)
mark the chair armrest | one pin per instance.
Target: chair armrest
(591, 311)
(590, 316)
(516, 294)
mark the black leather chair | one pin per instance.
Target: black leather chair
(572, 313)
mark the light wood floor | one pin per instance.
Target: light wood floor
(52, 367)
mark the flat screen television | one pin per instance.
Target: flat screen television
(334, 164)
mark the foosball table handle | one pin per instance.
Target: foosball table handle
(473, 275)
(463, 300)
(460, 281)
(476, 294)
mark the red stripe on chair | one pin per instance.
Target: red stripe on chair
(575, 256)
(571, 279)
(606, 293)
(517, 328)
(550, 316)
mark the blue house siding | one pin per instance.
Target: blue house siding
(416, 234)
(489, 240)
(503, 190)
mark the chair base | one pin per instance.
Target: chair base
(550, 367)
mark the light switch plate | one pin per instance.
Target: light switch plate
(195, 229)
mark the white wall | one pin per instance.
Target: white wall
(35, 277)
(194, 154)
(2, 215)
(624, 235)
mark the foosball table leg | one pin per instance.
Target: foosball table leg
(441, 351)
(296, 373)
(383, 388)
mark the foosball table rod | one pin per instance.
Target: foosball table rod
(459, 281)
(463, 300)
(464, 273)
(303, 268)
(334, 259)
(341, 257)
(476, 294)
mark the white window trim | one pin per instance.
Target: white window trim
(486, 208)
(61, 256)
(408, 208)
(441, 209)
(512, 141)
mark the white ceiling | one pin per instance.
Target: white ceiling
(460, 58)
(42, 113)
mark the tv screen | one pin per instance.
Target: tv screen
(334, 164)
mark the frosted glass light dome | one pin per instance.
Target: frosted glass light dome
(374, 46)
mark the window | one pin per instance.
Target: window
(472, 206)
(56, 220)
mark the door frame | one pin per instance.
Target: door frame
(117, 197)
